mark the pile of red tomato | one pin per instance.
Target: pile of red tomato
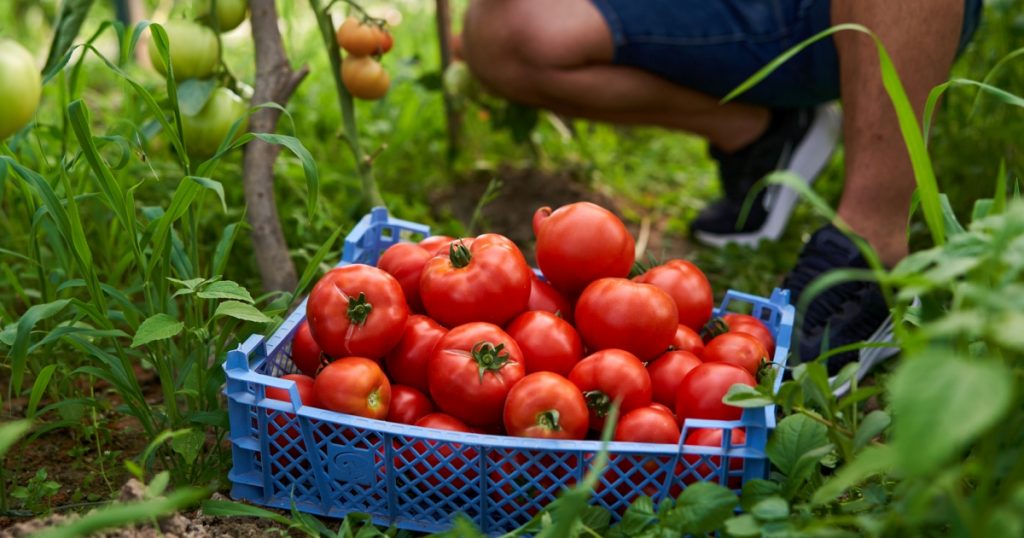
(461, 335)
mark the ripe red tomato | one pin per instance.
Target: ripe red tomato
(548, 343)
(667, 372)
(354, 385)
(544, 296)
(649, 424)
(618, 313)
(357, 310)
(442, 421)
(700, 394)
(407, 361)
(434, 243)
(580, 243)
(687, 286)
(305, 351)
(303, 383)
(713, 437)
(687, 339)
(471, 371)
(743, 323)
(386, 42)
(546, 406)
(488, 280)
(737, 348)
(610, 375)
(408, 405)
(435, 457)
(405, 262)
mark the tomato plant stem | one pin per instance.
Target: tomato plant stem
(371, 194)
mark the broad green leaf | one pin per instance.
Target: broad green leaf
(225, 289)
(757, 490)
(214, 186)
(740, 395)
(189, 444)
(795, 436)
(771, 509)
(193, 94)
(157, 327)
(942, 403)
(873, 425)
(869, 462)
(10, 432)
(158, 484)
(702, 507)
(26, 324)
(239, 310)
(637, 516)
(743, 526)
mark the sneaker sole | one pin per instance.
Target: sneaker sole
(869, 357)
(809, 158)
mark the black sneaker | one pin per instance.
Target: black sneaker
(848, 313)
(797, 140)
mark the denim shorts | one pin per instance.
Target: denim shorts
(714, 45)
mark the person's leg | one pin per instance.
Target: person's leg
(921, 36)
(558, 55)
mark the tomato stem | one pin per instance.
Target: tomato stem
(714, 327)
(459, 254)
(359, 309)
(549, 420)
(489, 357)
(598, 401)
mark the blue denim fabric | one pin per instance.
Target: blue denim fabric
(714, 45)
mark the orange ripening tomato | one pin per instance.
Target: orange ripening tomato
(364, 77)
(363, 39)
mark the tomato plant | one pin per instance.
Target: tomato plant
(405, 262)
(364, 77)
(205, 131)
(486, 279)
(687, 339)
(548, 342)
(20, 87)
(667, 372)
(407, 361)
(544, 296)
(580, 243)
(618, 313)
(471, 371)
(737, 348)
(408, 405)
(546, 405)
(306, 353)
(357, 310)
(688, 287)
(230, 13)
(354, 385)
(193, 49)
(701, 392)
(610, 375)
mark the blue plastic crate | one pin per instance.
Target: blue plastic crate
(331, 464)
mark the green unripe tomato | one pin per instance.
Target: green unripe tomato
(230, 13)
(194, 50)
(206, 130)
(20, 87)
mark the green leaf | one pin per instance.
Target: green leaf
(156, 327)
(215, 186)
(873, 425)
(771, 509)
(158, 485)
(639, 515)
(38, 388)
(308, 165)
(193, 95)
(943, 403)
(743, 526)
(225, 289)
(69, 22)
(740, 395)
(189, 444)
(124, 514)
(215, 507)
(10, 432)
(241, 311)
(869, 462)
(26, 323)
(223, 250)
(795, 436)
(702, 507)
(757, 490)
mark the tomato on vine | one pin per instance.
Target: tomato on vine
(20, 87)
(193, 49)
(364, 77)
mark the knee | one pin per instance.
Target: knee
(492, 43)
